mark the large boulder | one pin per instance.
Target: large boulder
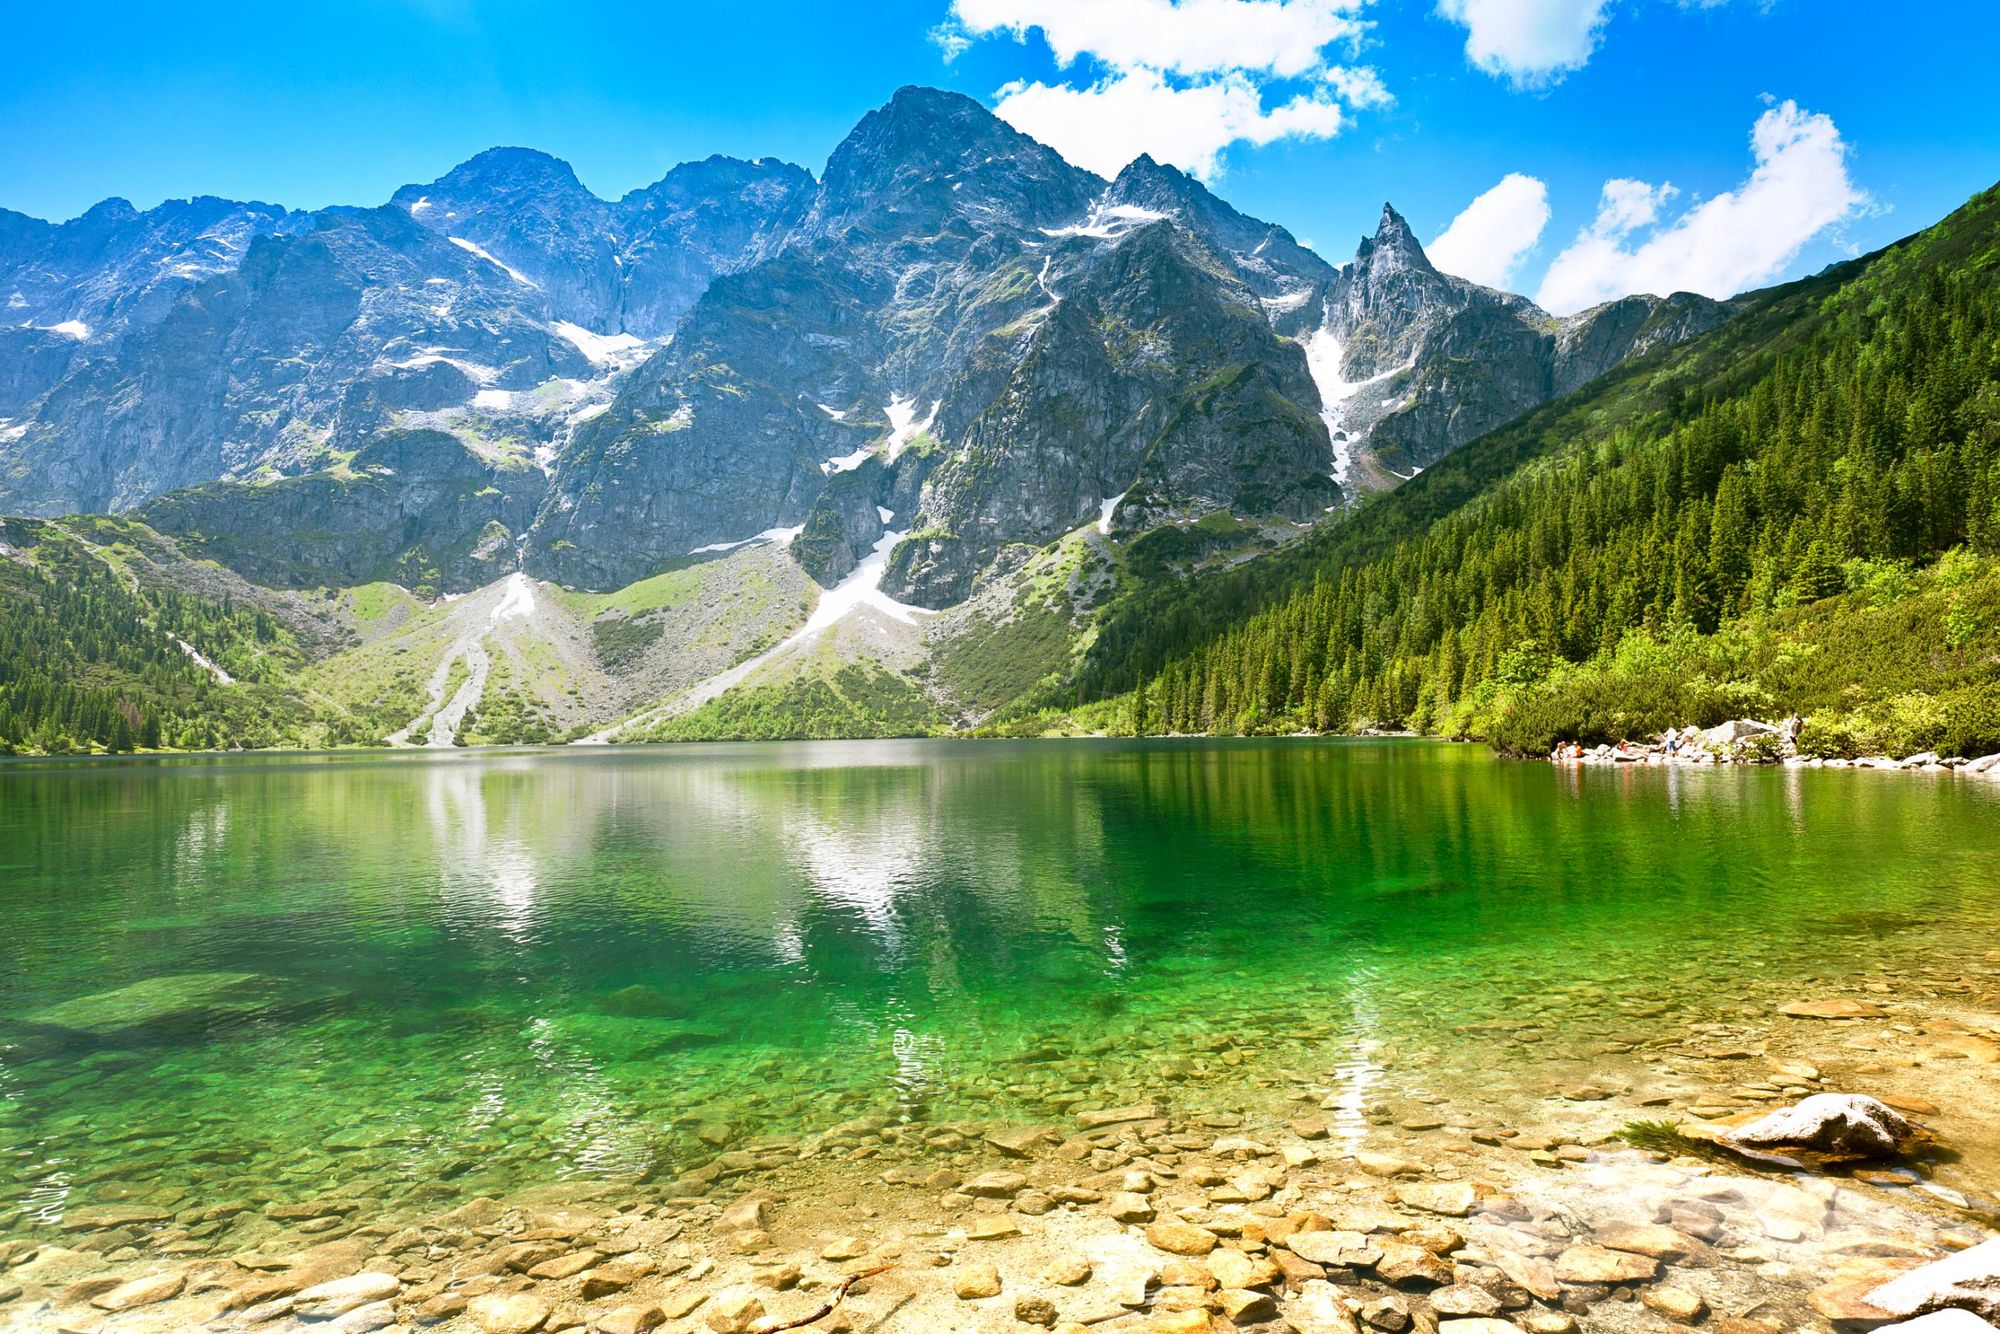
(1840, 1125)
(1969, 1280)
(1736, 729)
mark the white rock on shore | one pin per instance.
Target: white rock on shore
(1842, 1123)
(1951, 1320)
(1969, 1280)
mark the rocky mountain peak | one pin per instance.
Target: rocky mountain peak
(928, 152)
(1263, 255)
(1394, 245)
(511, 168)
(716, 175)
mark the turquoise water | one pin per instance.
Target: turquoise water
(464, 973)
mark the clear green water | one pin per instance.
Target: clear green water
(487, 971)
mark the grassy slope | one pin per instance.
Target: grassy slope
(821, 697)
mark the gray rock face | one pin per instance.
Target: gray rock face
(68, 289)
(1426, 362)
(206, 339)
(630, 266)
(415, 507)
(983, 320)
(1155, 377)
(1599, 339)
(272, 366)
(116, 267)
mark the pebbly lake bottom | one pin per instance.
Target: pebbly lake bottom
(267, 1006)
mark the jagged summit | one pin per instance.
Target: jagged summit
(1265, 255)
(719, 170)
(513, 164)
(927, 154)
(1393, 242)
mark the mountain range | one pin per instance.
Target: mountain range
(924, 417)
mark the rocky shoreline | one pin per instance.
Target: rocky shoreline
(1749, 741)
(1318, 1208)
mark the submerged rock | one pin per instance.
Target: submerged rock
(626, 1038)
(1831, 1009)
(141, 1292)
(1846, 1125)
(178, 1002)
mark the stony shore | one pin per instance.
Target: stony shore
(1746, 741)
(1319, 1208)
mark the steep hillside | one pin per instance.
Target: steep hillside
(1797, 511)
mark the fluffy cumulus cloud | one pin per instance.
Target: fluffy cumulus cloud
(1529, 42)
(1106, 125)
(1280, 37)
(1488, 241)
(1182, 80)
(1798, 188)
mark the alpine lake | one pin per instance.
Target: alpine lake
(417, 1004)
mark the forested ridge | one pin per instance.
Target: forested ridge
(1799, 510)
(93, 659)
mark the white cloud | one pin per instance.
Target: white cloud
(1192, 37)
(1798, 188)
(1529, 42)
(1487, 241)
(1627, 205)
(1105, 126)
(950, 41)
(1182, 80)
(1357, 85)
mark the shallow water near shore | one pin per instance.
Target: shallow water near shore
(416, 979)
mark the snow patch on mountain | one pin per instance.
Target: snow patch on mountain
(202, 661)
(518, 599)
(847, 462)
(510, 271)
(480, 374)
(1324, 353)
(903, 424)
(1107, 222)
(1105, 509)
(615, 351)
(1284, 303)
(782, 536)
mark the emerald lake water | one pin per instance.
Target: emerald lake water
(452, 974)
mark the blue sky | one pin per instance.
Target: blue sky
(1609, 143)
